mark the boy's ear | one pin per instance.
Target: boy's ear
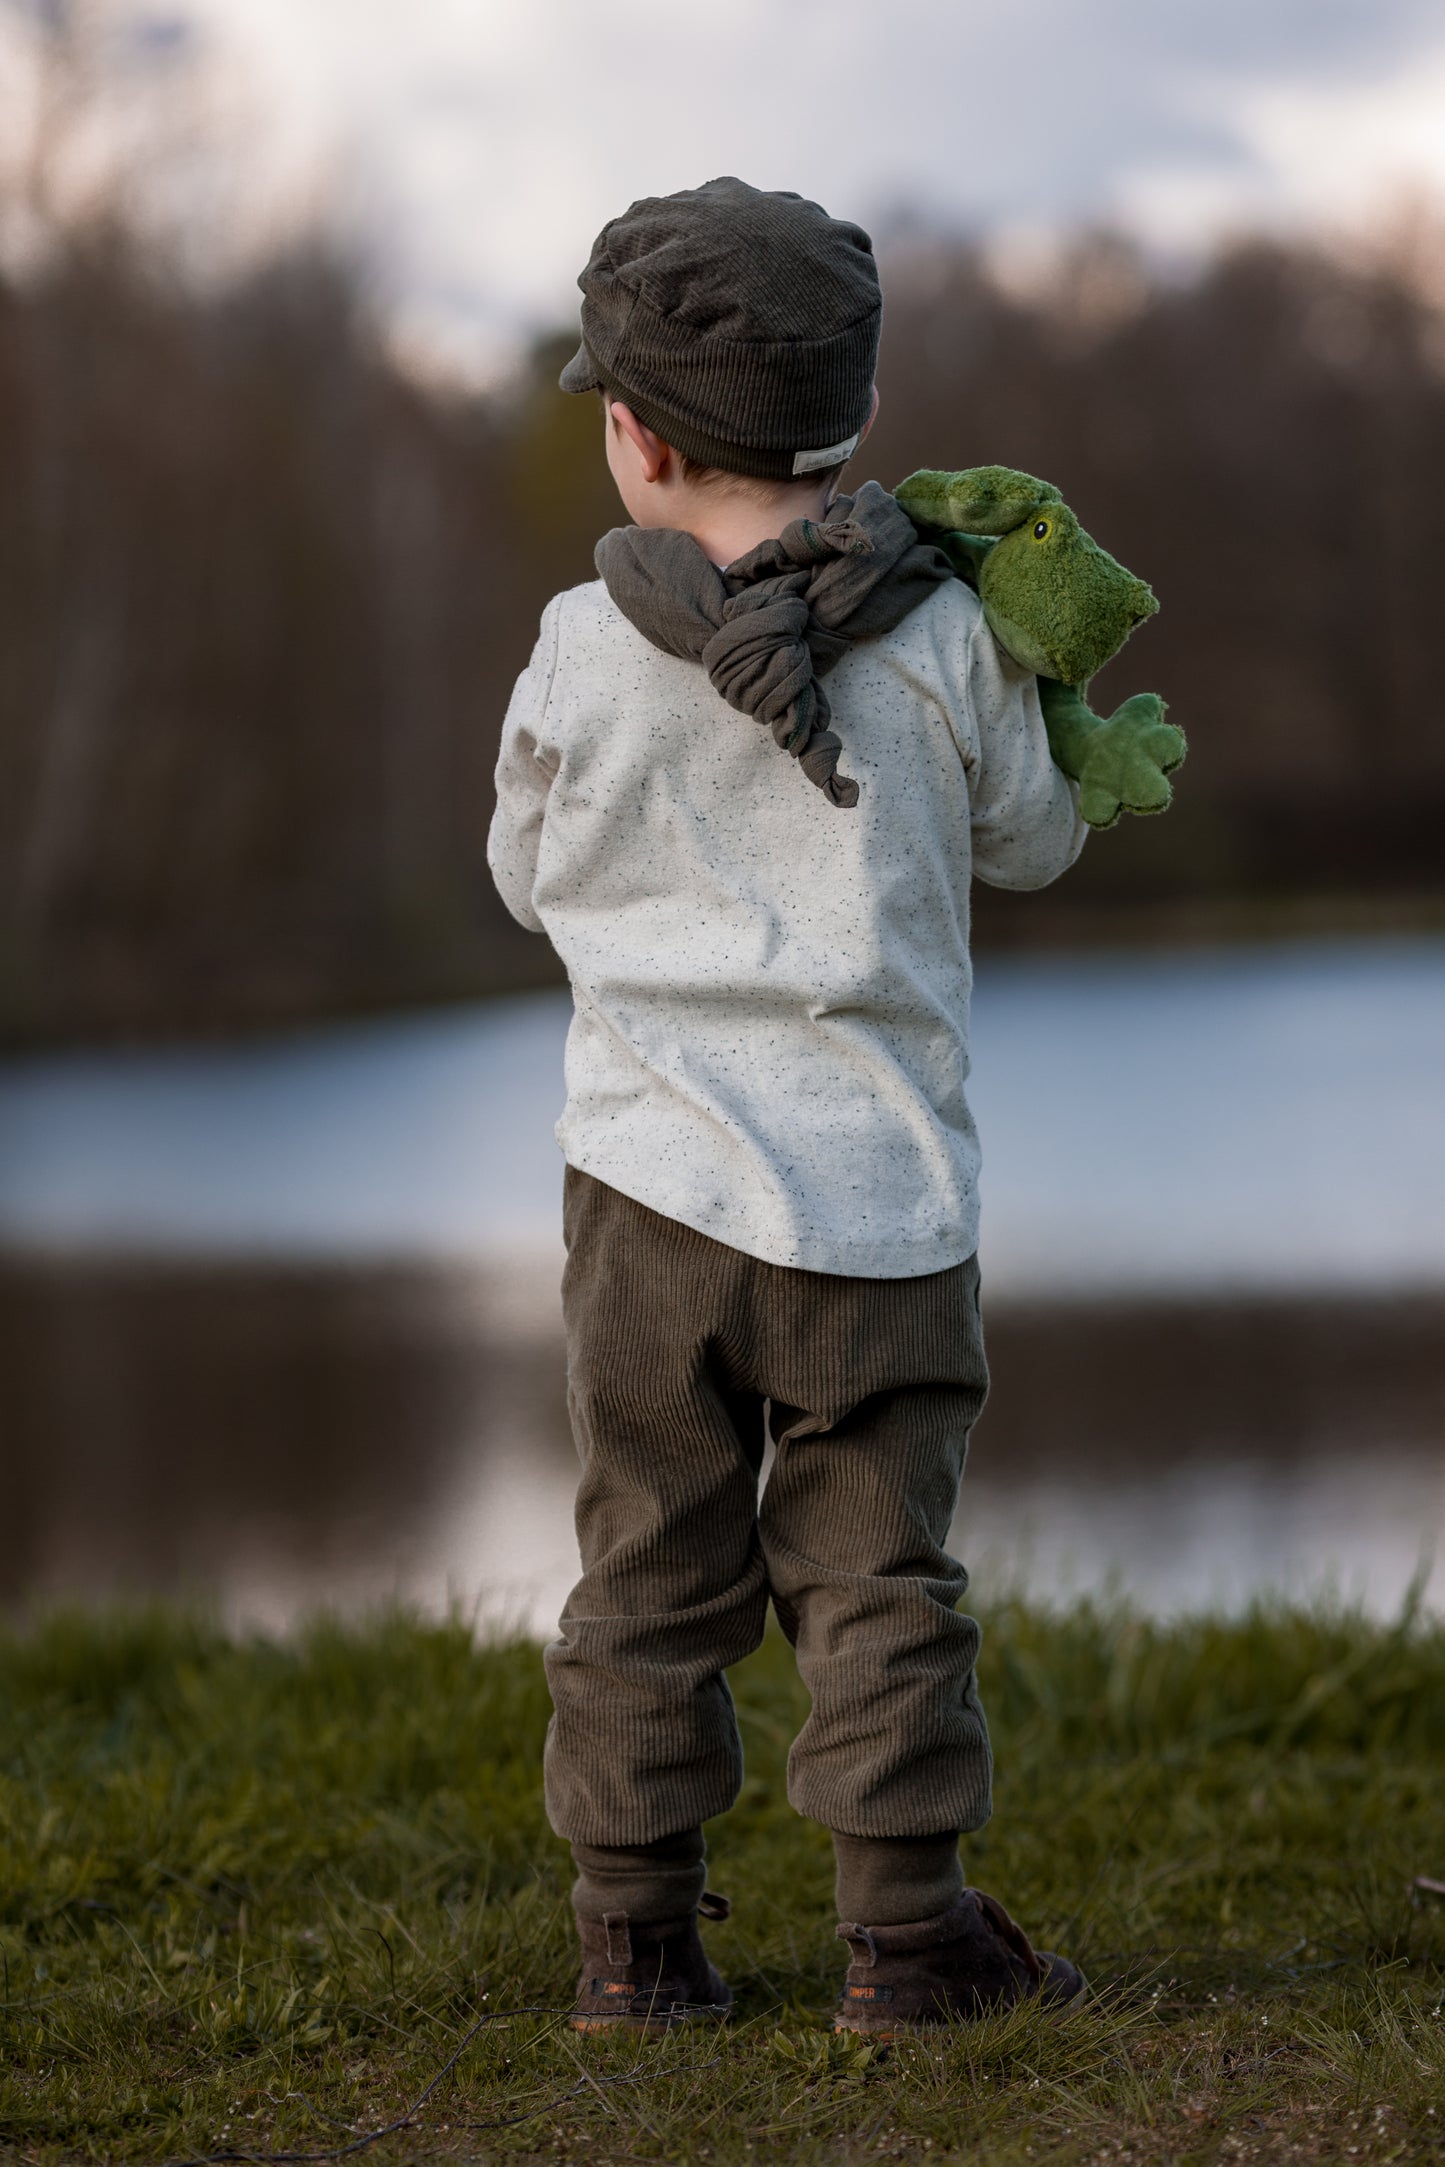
(651, 451)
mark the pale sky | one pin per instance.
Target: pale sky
(469, 150)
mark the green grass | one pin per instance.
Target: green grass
(253, 1894)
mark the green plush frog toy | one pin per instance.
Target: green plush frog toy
(1061, 606)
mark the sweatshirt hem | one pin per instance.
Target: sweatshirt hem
(839, 1260)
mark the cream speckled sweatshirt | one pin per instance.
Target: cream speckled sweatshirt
(771, 1031)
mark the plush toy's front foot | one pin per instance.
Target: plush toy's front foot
(1122, 765)
(1128, 761)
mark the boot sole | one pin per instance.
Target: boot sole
(887, 2029)
(655, 2027)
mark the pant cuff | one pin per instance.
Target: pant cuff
(896, 1880)
(648, 1881)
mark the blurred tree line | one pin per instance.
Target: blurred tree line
(263, 595)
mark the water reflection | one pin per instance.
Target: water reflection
(276, 1439)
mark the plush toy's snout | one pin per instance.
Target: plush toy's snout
(979, 500)
(1058, 602)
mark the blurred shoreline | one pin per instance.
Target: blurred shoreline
(280, 1439)
(280, 1325)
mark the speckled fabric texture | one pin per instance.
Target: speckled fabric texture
(770, 1041)
(771, 625)
(678, 1349)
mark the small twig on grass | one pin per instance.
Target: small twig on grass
(280, 2099)
(1245, 2063)
(408, 2116)
(591, 2083)
(1425, 1885)
(390, 1955)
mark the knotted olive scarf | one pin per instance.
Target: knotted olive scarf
(769, 626)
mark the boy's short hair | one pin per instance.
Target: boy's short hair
(748, 485)
(735, 484)
(739, 324)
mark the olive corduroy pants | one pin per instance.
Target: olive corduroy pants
(675, 1345)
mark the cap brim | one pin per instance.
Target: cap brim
(580, 373)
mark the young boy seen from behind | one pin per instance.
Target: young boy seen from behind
(744, 784)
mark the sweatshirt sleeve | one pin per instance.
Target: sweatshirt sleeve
(524, 777)
(1024, 810)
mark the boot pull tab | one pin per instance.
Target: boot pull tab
(712, 1906)
(860, 1941)
(619, 1940)
(1011, 1932)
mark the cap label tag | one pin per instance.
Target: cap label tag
(827, 455)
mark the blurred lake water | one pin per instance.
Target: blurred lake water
(279, 1324)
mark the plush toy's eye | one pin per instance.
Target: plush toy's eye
(1041, 531)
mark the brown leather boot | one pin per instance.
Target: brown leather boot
(650, 1978)
(966, 1960)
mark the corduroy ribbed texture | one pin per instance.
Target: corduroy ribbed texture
(741, 324)
(675, 1342)
(748, 382)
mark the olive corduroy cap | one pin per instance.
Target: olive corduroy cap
(741, 324)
